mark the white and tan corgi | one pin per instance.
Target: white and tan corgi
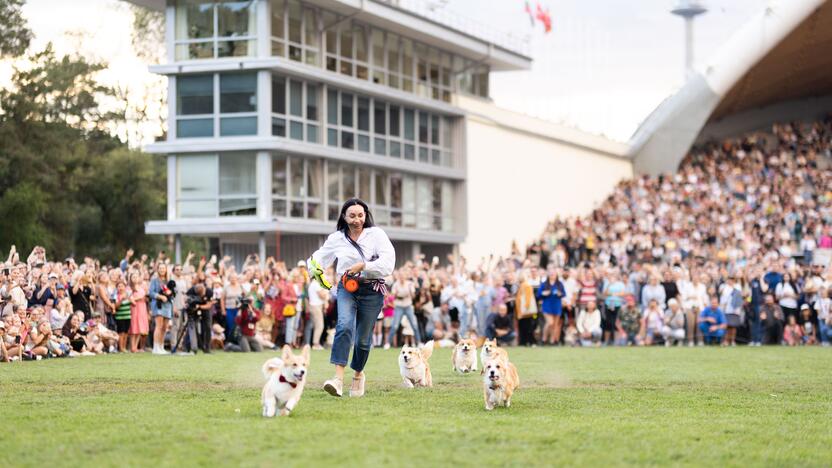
(285, 378)
(414, 365)
(500, 380)
(490, 351)
(464, 357)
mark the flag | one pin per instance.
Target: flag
(544, 18)
(529, 12)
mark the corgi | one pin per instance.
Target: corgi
(464, 357)
(490, 351)
(414, 365)
(285, 379)
(500, 380)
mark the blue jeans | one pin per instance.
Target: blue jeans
(291, 329)
(357, 314)
(711, 336)
(464, 319)
(756, 325)
(230, 324)
(825, 331)
(397, 319)
(491, 334)
(481, 311)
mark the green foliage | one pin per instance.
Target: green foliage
(15, 35)
(577, 407)
(65, 180)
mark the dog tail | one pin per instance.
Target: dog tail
(271, 366)
(427, 350)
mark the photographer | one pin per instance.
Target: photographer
(80, 293)
(198, 310)
(247, 321)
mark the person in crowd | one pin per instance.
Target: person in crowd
(500, 326)
(653, 291)
(589, 325)
(771, 315)
(823, 309)
(614, 293)
(792, 332)
(731, 303)
(403, 292)
(246, 320)
(161, 305)
(264, 327)
(807, 325)
(788, 292)
(629, 323)
(232, 292)
(122, 315)
(318, 299)
(673, 329)
(526, 310)
(712, 323)
(551, 294)
(652, 323)
(139, 325)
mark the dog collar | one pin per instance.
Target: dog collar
(291, 384)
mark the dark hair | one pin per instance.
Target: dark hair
(342, 223)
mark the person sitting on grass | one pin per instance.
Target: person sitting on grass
(589, 325)
(652, 323)
(807, 326)
(712, 322)
(500, 326)
(792, 334)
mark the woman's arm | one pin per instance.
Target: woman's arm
(325, 256)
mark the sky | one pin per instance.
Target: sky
(604, 67)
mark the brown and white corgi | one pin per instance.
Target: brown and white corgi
(500, 380)
(285, 378)
(414, 365)
(464, 357)
(490, 351)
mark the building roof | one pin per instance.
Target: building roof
(412, 18)
(784, 53)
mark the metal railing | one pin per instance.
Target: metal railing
(432, 10)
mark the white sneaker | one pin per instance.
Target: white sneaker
(386, 345)
(334, 387)
(360, 392)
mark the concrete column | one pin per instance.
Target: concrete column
(261, 248)
(170, 32)
(264, 30)
(264, 103)
(172, 180)
(177, 248)
(264, 184)
(171, 107)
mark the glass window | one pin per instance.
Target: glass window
(314, 178)
(194, 19)
(294, 21)
(394, 121)
(238, 174)
(295, 130)
(408, 124)
(311, 101)
(278, 30)
(192, 128)
(332, 137)
(235, 19)
(423, 127)
(312, 133)
(364, 184)
(424, 203)
(331, 34)
(348, 181)
(363, 143)
(332, 106)
(346, 42)
(347, 140)
(346, 110)
(409, 201)
(238, 92)
(395, 149)
(197, 176)
(195, 94)
(297, 188)
(360, 39)
(278, 127)
(296, 98)
(434, 129)
(280, 176)
(231, 126)
(333, 182)
(380, 146)
(446, 132)
(363, 113)
(278, 94)
(380, 118)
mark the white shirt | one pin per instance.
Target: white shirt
(314, 297)
(378, 252)
(588, 321)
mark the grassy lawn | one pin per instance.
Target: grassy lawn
(680, 406)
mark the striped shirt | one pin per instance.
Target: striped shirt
(588, 292)
(123, 310)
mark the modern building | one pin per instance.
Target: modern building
(279, 110)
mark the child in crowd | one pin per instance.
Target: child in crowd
(793, 333)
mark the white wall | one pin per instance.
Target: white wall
(522, 172)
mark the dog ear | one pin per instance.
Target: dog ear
(305, 353)
(287, 352)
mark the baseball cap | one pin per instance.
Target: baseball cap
(301, 263)
(53, 276)
(804, 307)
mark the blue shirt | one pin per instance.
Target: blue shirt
(713, 313)
(612, 300)
(552, 303)
(773, 278)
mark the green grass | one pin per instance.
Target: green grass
(657, 406)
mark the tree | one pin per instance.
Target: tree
(16, 35)
(65, 181)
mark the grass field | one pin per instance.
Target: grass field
(679, 406)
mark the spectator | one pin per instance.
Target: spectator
(652, 323)
(731, 303)
(792, 333)
(823, 309)
(629, 323)
(614, 293)
(551, 293)
(404, 292)
(526, 309)
(161, 294)
(139, 326)
(589, 325)
(246, 320)
(772, 318)
(674, 324)
(500, 326)
(712, 323)
(787, 293)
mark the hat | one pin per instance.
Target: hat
(672, 301)
(804, 307)
(301, 263)
(53, 276)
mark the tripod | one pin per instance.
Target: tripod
(183, 329)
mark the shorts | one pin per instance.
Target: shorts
(123, 326)
(388, 322)
(610, 317)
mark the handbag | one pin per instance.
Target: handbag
(289, 310)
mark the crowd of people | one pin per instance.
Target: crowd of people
(722, 252)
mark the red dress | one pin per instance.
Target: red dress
(139, 324)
